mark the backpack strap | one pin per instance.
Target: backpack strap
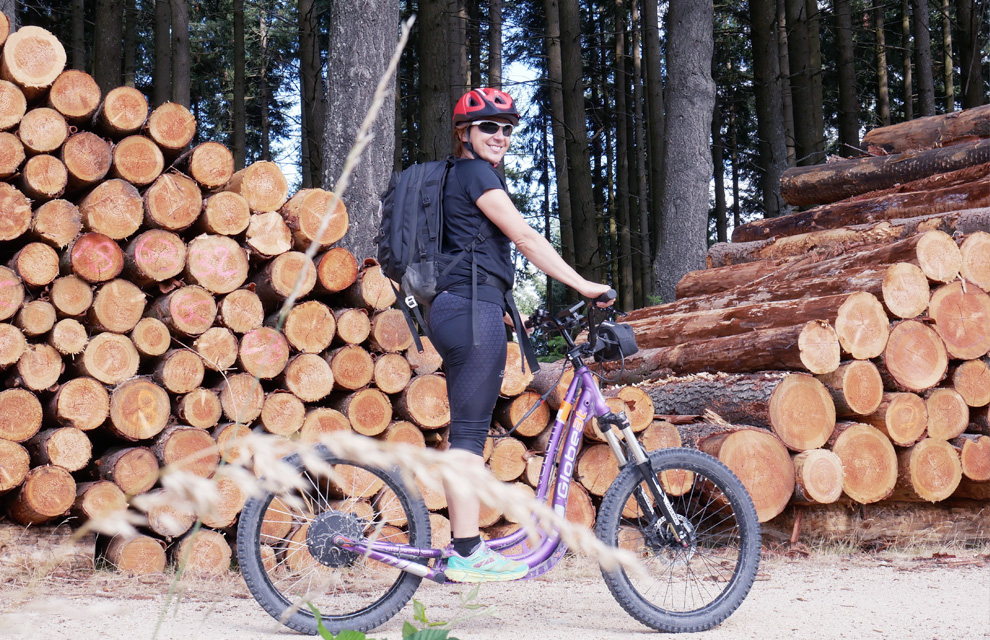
(524, 344)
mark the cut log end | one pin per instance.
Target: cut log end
(915, 356)
(862, 326)
(802, 413)
(869, 461)
(905, 290)
(961, 312)
(818, 476)
(819, 348)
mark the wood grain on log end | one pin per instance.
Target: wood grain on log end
(199, 408)
(36, 318)
(12, 344)
(961, 312)
(310, 326)
(818, 476)
(929, 470)
(862, 326)
(425, 361)
(188, 449)
(241, 311)
(87, 158)
(42, 130)
(211, 165)
(15, 212)
(141, 555)
(225, 213)
(139, 409)
(304, 214)
(902, 417)
(217, 346)
(98, 500)
(368, 410)
(151, 337)
(203, 552)
(114, 208)
(282, 414)
(133, 469)
(974, 455)
(15, 462)
(46, 493)
(948, 414)
(972, 380)
(869, 461)
(802, 413)
(263, 185)
(425, 402)
(939, 256)
(11, 154)
(138, 160)
(13, 105)
(171, 126)
(263, 352)
(82, 402)
(75, 95)
(392, 372)
(216, 263)
(241, 397)
(336, 269)
(818, 344)
(763, 464)
(975, 251)
(905, 290)
(320, 421)
(123, 112)
(309, 377)
(32, 58)
(915, 356)
(173, 202)
(856, 388)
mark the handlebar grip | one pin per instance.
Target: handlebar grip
(608, 296)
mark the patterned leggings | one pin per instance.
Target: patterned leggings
(474, 374)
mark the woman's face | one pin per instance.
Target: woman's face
(490, 147)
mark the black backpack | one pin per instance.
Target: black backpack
(410, 245)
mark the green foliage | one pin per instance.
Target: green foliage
(425, 629)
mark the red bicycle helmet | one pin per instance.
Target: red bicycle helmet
(478, 104)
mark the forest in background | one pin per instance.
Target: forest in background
(660, 126)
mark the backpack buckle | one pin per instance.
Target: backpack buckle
(411, 302)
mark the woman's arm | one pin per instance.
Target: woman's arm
(498, 208)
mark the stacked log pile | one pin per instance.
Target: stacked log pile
(849, 339)
(140, 290)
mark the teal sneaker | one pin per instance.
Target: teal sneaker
(484, 565)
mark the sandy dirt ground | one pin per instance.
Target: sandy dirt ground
(942, 595)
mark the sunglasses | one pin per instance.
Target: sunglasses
(489, 127)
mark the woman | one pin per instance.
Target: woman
(476, 199)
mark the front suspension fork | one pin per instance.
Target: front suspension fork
(641, 461)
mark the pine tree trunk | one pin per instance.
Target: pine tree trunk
(767, 89)
(883, 88)
(578, 162)
(848, 96)
(181, 60)
(691, 95)
(923, 59)
(554, 76)
(163, 52)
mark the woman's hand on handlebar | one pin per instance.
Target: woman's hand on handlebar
(602, 294)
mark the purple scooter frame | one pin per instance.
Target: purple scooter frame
(550, 549)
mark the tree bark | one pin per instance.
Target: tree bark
(883, 88)
(927, 133)
(360, 47)
(970, 59)
(163, 52)
(768, 93)
(108, 43)
(181, 59)
(578, 161)
(691, 98)
(848, 96)
(923, 59)
(892, 207)
(238, 111)
(434, 104)
(309, 76)
(556, 99)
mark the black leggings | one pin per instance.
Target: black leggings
(474, 374)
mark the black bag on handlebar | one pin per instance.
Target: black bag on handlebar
(615, 342)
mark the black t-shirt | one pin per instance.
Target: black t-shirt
(463, 220)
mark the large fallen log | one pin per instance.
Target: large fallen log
(902, 205)
(935, 252)
(934, 131)
(824, 183)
